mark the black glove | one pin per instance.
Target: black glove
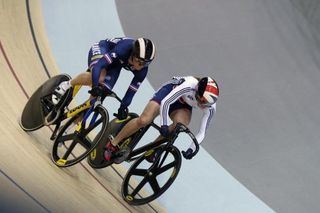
(100, 90)
(164, 131)
(122, 113)
(187, 154)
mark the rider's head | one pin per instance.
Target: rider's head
(143, 51)
(207, 92)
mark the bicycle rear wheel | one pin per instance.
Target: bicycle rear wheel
(96, 158)
(145, 182)
(34, 112)
(70, 148)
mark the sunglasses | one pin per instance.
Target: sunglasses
(142, 62)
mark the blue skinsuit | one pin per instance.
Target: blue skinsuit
(113, 55)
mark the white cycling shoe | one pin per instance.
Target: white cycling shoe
(60, 91)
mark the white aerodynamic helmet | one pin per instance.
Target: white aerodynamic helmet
(207, 92)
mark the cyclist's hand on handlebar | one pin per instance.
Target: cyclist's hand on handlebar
(100, 90)
(164, 131)
(187, 154)
(122, 112)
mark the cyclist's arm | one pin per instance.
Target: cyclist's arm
(174, 95)
(207, 118)
(134, 86)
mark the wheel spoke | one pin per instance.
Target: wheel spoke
(154, 184)
(164, 168)
(70, 148)
(85, 142)
(159, 161)
(86, 131)
(156, 178)
(139, 172)
(64, 138)
(139, 187)
(163, 158)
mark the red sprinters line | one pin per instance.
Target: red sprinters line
(12, 70)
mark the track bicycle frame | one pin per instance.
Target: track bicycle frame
(88, 105)
(147, 149)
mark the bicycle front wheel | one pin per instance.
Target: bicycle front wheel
(74, 142)
(146, 181)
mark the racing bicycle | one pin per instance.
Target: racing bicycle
(77, 131)
(155, 164)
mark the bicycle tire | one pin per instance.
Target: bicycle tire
(32, 116)
(97, 153)
(96, 158)
(78, 139)
(130, 193)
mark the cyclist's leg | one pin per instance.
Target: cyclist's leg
(107, 77)
(82, 79)
(111, 77)
(149, 113)
(180, 116)
(180, 113)
(85, 78)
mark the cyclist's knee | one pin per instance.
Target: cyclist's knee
(183, 121)
(181, 116)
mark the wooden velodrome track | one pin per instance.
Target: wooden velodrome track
(29, 181)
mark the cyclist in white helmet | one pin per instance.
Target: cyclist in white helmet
(106, 59)
(174, 100)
